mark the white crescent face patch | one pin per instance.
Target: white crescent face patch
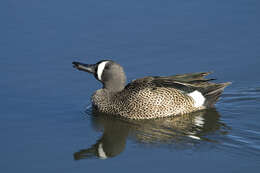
(100, 69)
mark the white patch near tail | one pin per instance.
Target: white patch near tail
(198, 98)
(100, 69)
(101, 152)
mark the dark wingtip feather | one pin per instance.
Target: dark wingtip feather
(213, 93)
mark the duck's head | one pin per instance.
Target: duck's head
(108, 72)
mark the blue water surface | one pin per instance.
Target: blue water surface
(45, 119)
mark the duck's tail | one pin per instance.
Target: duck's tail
(204, 92)
(212, 93)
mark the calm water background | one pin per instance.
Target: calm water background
(43, 99)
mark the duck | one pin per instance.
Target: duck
(150, 97)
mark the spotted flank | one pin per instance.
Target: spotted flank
(150, 97)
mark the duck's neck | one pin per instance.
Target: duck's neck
(115, 84)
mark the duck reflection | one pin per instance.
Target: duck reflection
(181, 129)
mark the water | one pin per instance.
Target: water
(47, 125)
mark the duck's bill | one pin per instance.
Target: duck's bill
(90, 68)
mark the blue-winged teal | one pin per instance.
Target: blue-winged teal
(150, 97)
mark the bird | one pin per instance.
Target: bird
(150, 97)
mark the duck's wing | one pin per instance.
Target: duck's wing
(186, 83)
(189, 77)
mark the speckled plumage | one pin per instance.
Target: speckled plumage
(141, 100)
(155, 97)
